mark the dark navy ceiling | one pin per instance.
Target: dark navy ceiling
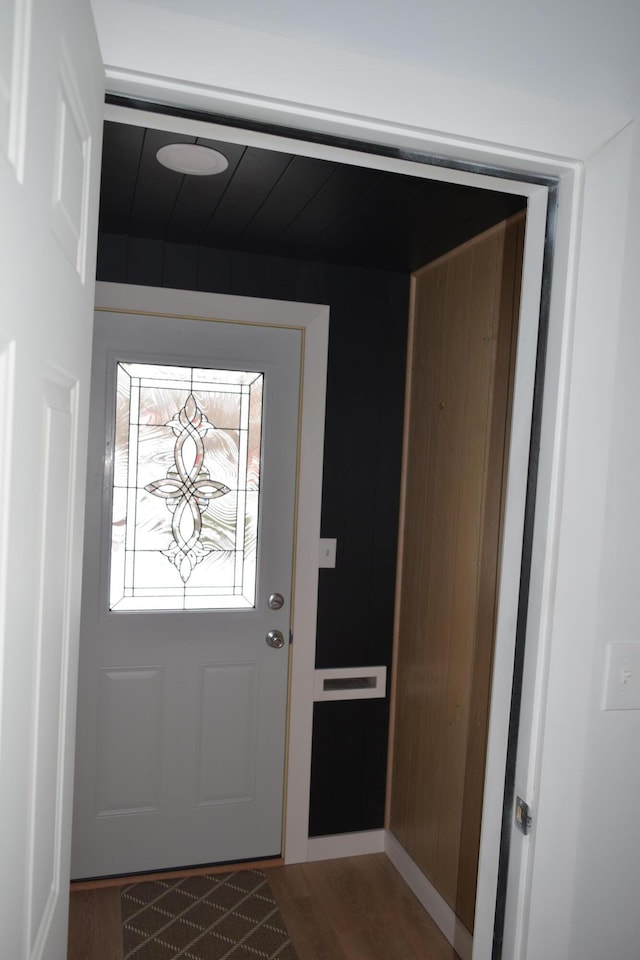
(287, 205)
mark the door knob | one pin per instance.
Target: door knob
(275, 639)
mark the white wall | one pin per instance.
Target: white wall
(546, 78)
(564, 828)
(414, 69)
(606, 897)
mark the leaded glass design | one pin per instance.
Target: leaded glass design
(186, 474)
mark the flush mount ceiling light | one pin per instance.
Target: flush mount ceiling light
(192, 158)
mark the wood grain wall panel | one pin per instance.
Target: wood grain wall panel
(437, 556)
(481, 282)
(413, 750)
(450, 637)
(462, 337)
(495, 487)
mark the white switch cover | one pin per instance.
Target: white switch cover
(327, 552)
(622, 677)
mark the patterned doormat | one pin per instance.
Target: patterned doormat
(231, 915)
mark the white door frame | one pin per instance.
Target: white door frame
(569, 189)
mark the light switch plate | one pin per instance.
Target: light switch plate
(622, 677)
(327, 552)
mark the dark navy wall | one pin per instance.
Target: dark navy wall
(363, 438)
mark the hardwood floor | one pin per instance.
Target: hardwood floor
(357, 908)
(95, 924)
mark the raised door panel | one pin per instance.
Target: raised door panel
(51, 657)
(227, 713)
(72, 165)
(129, 740)
(15, 21)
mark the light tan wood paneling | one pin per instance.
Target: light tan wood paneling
(357, 908)
(460, 369)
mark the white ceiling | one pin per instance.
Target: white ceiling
(489, 32)
(372, 27)
(398, 31)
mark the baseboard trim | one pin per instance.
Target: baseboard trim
(437, 908)
(345, 845)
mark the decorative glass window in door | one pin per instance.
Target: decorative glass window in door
(186, 474)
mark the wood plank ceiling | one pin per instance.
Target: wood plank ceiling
(287, 205)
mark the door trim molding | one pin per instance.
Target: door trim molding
(313, 321)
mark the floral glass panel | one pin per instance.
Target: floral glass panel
(186, 474)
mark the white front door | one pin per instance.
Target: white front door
(189, 533)
(51, 102)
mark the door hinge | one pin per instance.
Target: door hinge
(290, 637)
(523, 816)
